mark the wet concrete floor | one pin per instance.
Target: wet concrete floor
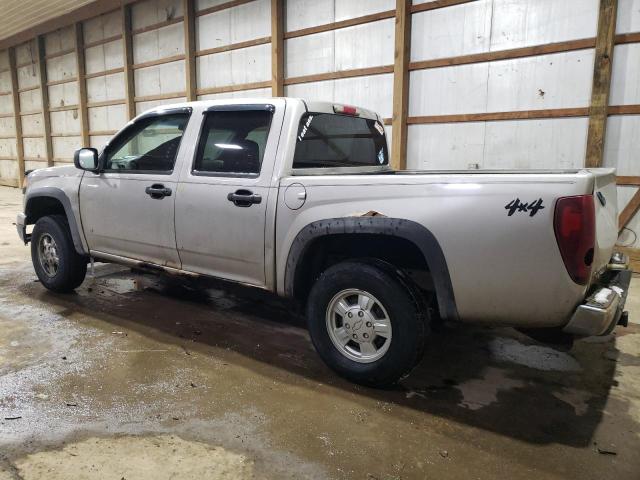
(136, 377)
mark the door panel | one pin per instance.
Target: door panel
(129, 208)
(120, 218)
(216, 237)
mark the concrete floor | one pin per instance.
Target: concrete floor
(136, 377)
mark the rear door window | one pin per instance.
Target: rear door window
(329, 141)
(233, 142)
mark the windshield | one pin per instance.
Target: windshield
(328, 141)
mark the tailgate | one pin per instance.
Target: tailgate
(605, 198)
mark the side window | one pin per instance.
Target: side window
(233, 141)
(149, 145)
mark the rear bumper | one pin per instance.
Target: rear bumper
(604, 308)
(21, 226)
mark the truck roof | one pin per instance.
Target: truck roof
(311, 105)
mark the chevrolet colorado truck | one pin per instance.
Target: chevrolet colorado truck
(297, 197)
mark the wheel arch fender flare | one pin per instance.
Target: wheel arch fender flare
(409, 230)
(59, 195)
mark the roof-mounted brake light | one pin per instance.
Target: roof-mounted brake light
(346, 110)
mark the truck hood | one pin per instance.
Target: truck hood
(61, 171)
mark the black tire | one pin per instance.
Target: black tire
(409, 324)
(72, 267)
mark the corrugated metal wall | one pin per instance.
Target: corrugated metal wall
(493, 83)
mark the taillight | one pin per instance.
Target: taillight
(346, 110)
(575, 226)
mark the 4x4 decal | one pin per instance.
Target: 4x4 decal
(517, 206)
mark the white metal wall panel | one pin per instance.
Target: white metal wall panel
(34, 164)
(359, 8)
(625, 79)
(373, 92)
(30, 101)
(32, 125)
(622, 148)
(112, 117)
(63, 94)
(368, 45)
(26, 52)
(65, 122)
(64, 147)
(160, 79)
(7, 127)
(245, 65)
(310, 54)
(35, 148)
(8, 147)
(144, 106)
(62, 68)
(104, 26)
(104, 57)
(628, 20)
(60, 40)
(548, 143)
(629, 236)
(254, 93)
(445, 146)
(99, 141)
(28, 76)
(234, 25)
(106, 87)
(561, 80)
(5, 81)
(6, 104)
(161, 43)
(308, 13)
(521, 23)
(8, 168)
(151, 12)
(453, 31)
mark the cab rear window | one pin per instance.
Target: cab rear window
(328, 141)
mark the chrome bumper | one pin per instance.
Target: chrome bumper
(21, 226)
(604, 308)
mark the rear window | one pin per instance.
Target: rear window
(325, 141)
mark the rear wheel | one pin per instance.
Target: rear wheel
(57, 264)
(365, 322)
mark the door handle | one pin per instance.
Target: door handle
(244, 198)
(158, 191)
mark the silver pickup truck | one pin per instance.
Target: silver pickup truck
(297, 197)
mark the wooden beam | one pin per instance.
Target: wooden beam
(601, 85)
(127, 55)
(628, 180)
(159, 61)
(401, 85)
(46, 117)
(222, 6)
(234, 46)
(82, 86)
(423, 7)
(327, 27)
(277, 48)
(629, 211)
(16, 114)
(496, 116)
(356, 72)
(191, 86)
(234, 88)
(634, 257)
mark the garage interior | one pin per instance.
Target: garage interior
(139, 376)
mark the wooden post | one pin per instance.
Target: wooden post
(16, 115)
(82, 86)
(190, 48)
(605, 41)
(401, 85)
(46, 118)
(127, 43)
(277, 48)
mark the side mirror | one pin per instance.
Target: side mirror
(86, 159)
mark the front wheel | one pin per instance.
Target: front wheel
(366, 323)
(57, 264)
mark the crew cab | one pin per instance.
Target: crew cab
(297, 197)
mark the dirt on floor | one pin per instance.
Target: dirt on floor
(141, 377)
